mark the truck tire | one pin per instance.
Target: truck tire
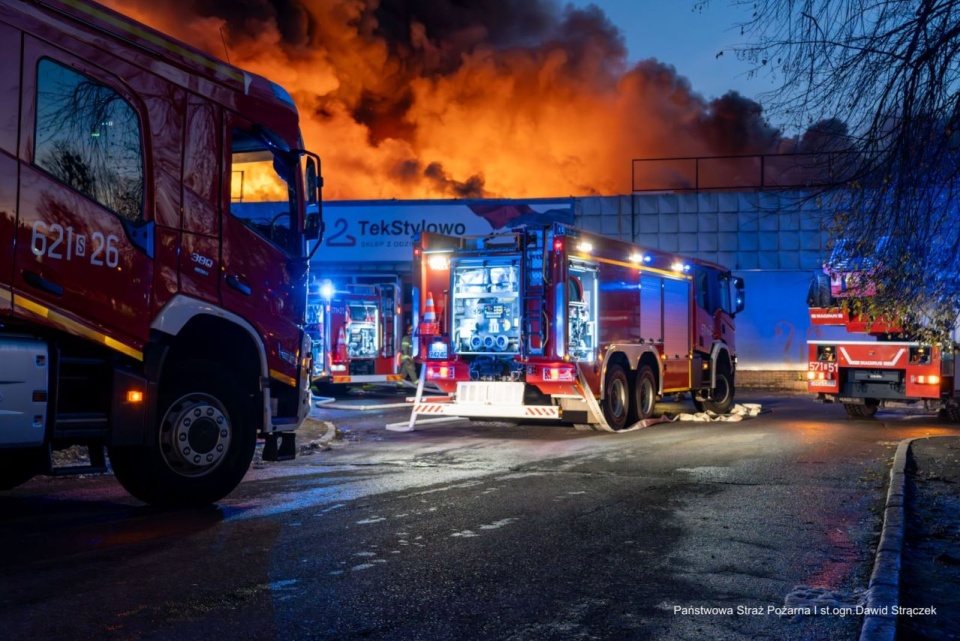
(616, 397)
(721, 396)
(205, 441)
(952, 413)
(867, 410)
(645, 393)
(18, 466)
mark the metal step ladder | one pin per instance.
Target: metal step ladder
(388, 303)
(534, 269)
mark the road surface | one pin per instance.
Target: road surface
(764, 528)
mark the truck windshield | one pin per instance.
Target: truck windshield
(263, 191)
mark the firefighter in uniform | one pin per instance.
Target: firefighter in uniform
(408, 369)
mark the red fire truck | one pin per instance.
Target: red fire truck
(355, 330)
(152, 290)
(544, 322)
(888, 369)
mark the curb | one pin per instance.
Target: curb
(884, 588)
(364, 407)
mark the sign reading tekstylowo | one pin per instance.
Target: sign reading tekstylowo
(383, 231)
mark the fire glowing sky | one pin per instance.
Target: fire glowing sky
(465, 98)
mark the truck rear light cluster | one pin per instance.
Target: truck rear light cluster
(552, 372)
(931, 379)
(558, 374)
(338, 368)
(819, 376)
(440, 371)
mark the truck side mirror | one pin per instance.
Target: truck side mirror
(313, 225)
(739, 297)
(313, 228)
(312, 187)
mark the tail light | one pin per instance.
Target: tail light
(564, 373)
(552, 372)
(436, 372)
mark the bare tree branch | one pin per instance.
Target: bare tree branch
(888, 73)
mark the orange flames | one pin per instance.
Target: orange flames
(418, 99)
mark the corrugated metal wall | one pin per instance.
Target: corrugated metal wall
(743, 231)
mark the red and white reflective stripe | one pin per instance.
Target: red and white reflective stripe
(541, 411)
(428, 409)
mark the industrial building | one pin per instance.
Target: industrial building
(774, 240)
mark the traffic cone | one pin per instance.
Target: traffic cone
(430, 311)
(429, 326)
(341, 345)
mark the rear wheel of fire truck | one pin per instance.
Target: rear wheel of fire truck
(952, 413)
(645, 393)
(721, 396)
(205, 440)
(616, 397)
(18, 466)
(867, 410)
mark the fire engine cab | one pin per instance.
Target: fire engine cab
(155, 208)
(887, 367)
(552, 322)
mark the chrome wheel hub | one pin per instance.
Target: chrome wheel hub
(195, 435)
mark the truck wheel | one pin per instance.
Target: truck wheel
(721, 396)
(952, 413)
(645, 393)
(867, 410)
(18, 466)
(206, 441)
(616, 397)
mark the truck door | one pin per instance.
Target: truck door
(9, 126)
(676, 334)
(664, 321)
(84, 251)
(262, 247)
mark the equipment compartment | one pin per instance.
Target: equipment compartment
(361, 329)
(486, 307)
(582, 311)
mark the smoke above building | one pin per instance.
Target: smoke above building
(465, 98)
